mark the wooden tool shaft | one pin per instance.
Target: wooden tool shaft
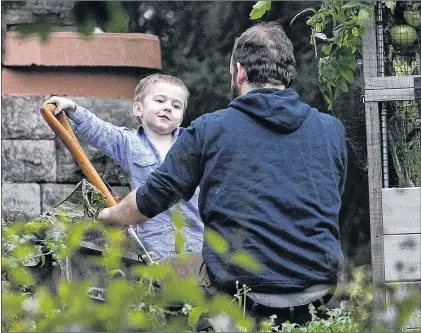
(61, 127)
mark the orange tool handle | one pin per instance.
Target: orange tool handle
(61, 127)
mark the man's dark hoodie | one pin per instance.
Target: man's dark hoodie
(271, 172)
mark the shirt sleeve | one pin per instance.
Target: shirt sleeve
(178, 176)
(100, 134)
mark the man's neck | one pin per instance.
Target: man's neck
(248, 87)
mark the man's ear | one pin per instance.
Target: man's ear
(137, 109)
(241, 74)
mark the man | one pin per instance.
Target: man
(271, 171)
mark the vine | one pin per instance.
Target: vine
(337, 28)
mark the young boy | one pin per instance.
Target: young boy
(159, 104)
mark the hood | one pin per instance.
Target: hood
(278, 109)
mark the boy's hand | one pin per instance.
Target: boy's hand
(62, 104)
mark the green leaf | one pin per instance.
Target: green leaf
(351, 4)
(328, 72)
(328, 102)
(180, 243)
(118, 18)
(31, 261)
(326, 49)
(116, 273)
(321, 36)
(46, 301)
(178, 223)
(347, 74)
(177, 220)
(342, 85)
(42, 261)
(137, 319)
(75, 236)
(155, 272)
(259, 9)
(302, 12)
(194, 315)
(218, 243)
(246, 261)
(363, 17)
(390, 4)
(21, 276)
(185, 291)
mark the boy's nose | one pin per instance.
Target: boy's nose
(167, 107)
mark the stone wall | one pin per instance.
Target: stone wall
(58, 14)
(38, 172)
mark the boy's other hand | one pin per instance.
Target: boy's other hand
(62, 105)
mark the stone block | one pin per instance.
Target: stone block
(28, 161)
(53, 194)
(116, 111)
(49, 7)
(86, 102)
(21, 119)
(19, 16)
(20, 202)
(69, 172)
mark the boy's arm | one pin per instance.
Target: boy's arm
(100, 134)
(177, 178)
(93, 131)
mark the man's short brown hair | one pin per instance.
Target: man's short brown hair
(150, 80)
(267, 55)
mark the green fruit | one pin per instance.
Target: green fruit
(413, 18)
(403, 35)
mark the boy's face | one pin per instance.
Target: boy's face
(161, 109)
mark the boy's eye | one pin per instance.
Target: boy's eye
(160, 101)
(177, 106)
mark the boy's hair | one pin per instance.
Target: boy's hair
(150, 80)
(267, 55)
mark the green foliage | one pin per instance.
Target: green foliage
(337, 28)
(152, 298)
(246, 261)
(159, 301)
(178, 224)
(259, 9)
(107, 15)
(218, 243)
(110, 16)
(41, 27)
(239, 258)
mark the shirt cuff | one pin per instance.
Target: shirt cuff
(144, 204)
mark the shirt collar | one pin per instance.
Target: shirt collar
(141, 132)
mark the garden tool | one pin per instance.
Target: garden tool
(61, 126)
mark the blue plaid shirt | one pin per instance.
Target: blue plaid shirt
(137, 156)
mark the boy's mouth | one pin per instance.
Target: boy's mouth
(165, 117)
